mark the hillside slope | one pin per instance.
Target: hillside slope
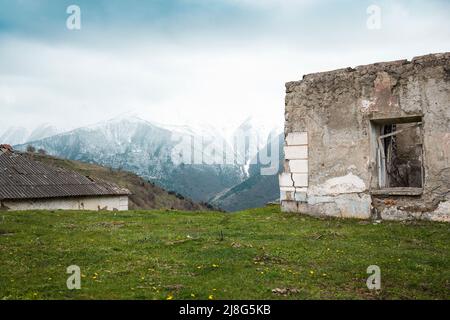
(145, 195)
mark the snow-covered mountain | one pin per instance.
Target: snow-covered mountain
(20, 135)
(42, 132)
(177, 160)
(198, 161)
(14, 135)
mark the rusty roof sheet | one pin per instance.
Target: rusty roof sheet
(21, 177)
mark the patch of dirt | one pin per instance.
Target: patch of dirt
(266, 258)
(326, 235)
(285, 291)
(111, 225)
(181, 241)
(240, 245)
(174, 287)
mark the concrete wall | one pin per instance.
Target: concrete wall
(334, 111)
(119, 203)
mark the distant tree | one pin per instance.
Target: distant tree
(42, 151)
(31, 149)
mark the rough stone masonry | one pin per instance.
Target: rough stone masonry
(370, 142)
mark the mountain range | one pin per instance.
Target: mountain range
(20, 135)
(202, 163)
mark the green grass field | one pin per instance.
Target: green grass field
(244, 255)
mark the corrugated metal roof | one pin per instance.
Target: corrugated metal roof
(23, 178)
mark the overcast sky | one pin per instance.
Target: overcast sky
(176, 61)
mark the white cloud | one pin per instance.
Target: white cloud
(161, 82)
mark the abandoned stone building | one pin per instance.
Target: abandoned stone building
(26, 184)
(370, 142)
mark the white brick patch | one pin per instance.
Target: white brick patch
(300, 179)
(294, 183)
(293, 194)
(298, 166)
(297, 139)
(295, 152)
(288, 189)
(285, 180)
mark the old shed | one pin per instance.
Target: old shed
(26, 184)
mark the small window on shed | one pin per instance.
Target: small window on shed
(398, 145)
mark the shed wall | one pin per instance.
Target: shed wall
(119, 203)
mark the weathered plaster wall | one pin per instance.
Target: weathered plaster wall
(334, 110)
(119, 203)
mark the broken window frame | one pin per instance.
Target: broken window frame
(380, 156)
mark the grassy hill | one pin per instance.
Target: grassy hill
(254, 254)
(146, 195)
